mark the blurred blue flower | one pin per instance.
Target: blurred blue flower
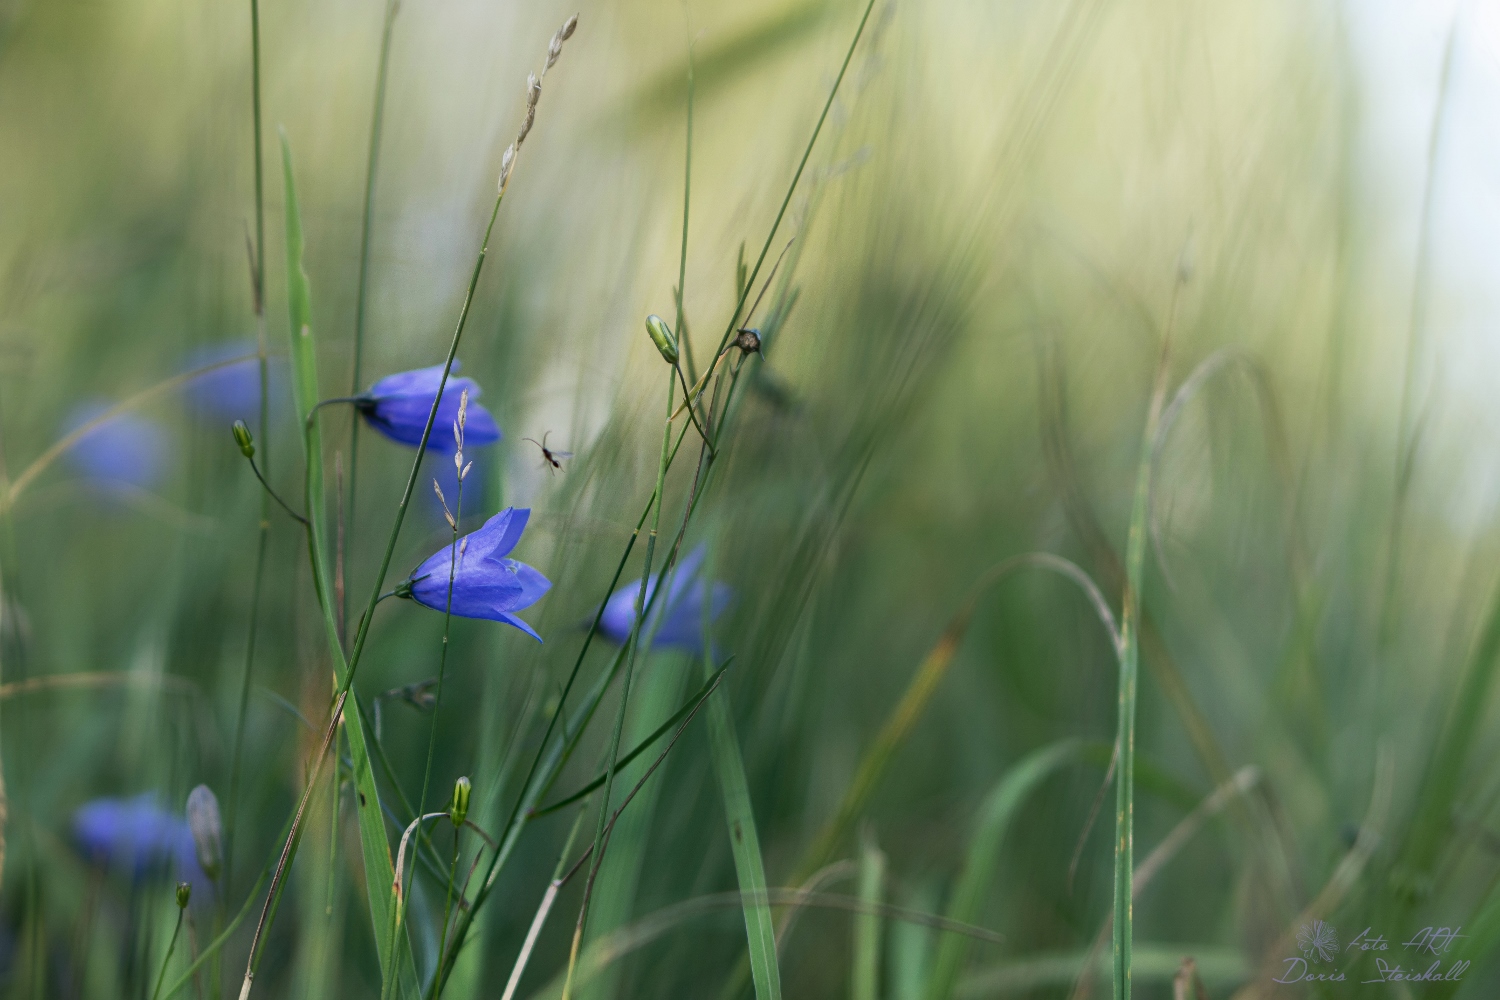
(137, 836)
(485, 583)
(397, 406)
(678, 618)
(233, 392)
(126, 450)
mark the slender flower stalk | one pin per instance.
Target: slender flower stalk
(633, 648)
(361, 296)
(184, 892)
(454, 520)
(258, 301)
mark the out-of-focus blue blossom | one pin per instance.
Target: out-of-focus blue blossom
(677, 618)
(485, 583)
(233, 392)
(127, 450)
(397, 406)
(137, 836)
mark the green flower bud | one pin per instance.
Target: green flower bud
(458, 811)
(184, 893)
(243, 439)
(661, 336)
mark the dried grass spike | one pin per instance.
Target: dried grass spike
(507, 161)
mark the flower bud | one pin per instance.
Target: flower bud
(568, 27)
(208, 831)
(458, 810)
(243, 439)
(748, 341)
(184, 893)
(661, 336)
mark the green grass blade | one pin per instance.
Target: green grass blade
(995, 817)
(379, 869)
(912, 945)
(865, 976)
(380, 872)
(760, 931)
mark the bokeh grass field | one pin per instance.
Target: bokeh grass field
(1014, 218)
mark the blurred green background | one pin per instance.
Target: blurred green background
(1010, 210)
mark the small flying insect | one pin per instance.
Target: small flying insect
(549, 456)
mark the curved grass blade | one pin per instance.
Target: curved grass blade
(1158, 963)
(995, 817)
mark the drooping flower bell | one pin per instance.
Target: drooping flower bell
(127, 451)
(398, 405)
(485, 583)
(677, 618)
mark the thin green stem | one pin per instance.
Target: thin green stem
(361, 298)
(437, 981)
(633, 646)
(687, 201)
(258, 297)
(792, 187)
(167, 958)
(299, 518)
(437, 704)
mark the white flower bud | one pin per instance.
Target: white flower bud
(207, 829)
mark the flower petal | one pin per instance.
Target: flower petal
(510, 619)
(500, 533)
(533, 584)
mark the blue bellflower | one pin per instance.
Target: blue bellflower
(233, 392)
(485, 583)
(677, 618)
(136, 836)
(127, 450)
(397, 406)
